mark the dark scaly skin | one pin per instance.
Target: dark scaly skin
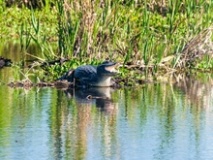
(89, 75)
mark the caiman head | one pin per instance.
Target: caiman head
(105, 72)
(107, 69)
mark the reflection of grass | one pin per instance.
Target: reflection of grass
(90, 31)
(153, 112)
(167, 103)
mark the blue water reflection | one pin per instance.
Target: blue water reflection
(154, 121)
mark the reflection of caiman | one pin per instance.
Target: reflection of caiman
(100, 96)
(88, 75)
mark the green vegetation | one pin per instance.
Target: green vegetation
(151, 35)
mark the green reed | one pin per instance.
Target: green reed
(130, 31)
(62, 30)
(30, 32)
(25, 38)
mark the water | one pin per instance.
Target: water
(154, 121)
(163, 121)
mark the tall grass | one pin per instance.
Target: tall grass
(30, 32)
(125, 31)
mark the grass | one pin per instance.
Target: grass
(129, 32)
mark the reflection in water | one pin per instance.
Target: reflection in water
(156, 121)
(101, 97)
(21, 58)
(198, 92)
(73, 133)
(14, 52)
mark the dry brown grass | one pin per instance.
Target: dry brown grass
(197, 47)
(87, 13)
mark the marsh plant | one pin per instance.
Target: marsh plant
(145, 30)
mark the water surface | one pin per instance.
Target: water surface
(153, 121)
